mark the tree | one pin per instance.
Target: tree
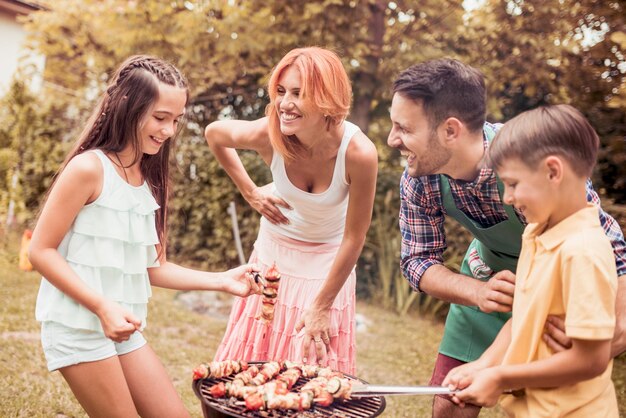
(532, 52)
(29, 151)
(567, 51)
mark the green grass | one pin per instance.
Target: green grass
(393, 350)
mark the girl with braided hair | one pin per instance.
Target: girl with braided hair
(100, 244)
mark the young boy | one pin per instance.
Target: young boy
(566, 268)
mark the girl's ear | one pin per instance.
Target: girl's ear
(554, 167)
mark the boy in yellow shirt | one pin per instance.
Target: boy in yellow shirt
(566, 268)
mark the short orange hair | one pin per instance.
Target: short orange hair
(324, 84)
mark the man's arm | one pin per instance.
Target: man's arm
(421, 227)
(423, 244)
(494, 295)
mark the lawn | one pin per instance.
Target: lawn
(392, 350)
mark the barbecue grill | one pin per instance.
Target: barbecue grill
(224, 407)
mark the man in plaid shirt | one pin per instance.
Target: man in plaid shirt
(438, 116)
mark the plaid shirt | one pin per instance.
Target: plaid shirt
(422, 215)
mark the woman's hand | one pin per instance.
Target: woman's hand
(316, 325)
(240, 281)
(118, 324)
(264, 202)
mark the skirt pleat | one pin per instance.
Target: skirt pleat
(303, 267)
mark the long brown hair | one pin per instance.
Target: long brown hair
(115, 123)
(325, 85)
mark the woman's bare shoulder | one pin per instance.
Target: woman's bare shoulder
(361, 150)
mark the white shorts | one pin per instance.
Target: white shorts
(65, 346)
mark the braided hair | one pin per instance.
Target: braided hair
(115, 123)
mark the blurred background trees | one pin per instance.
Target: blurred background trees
(532, 52)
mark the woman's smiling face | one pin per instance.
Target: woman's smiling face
(296, 114)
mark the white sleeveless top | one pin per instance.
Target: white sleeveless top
(314, 217)
(110, 245)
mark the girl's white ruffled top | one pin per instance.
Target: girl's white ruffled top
(110, 246)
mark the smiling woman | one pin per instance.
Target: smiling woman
(315, 214)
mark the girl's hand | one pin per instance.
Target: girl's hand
(264, 202)
(118, 324)
(240, 281)
(316, 325)
(483, 388)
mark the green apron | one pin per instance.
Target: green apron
(469, 331)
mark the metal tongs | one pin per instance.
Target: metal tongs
(364, 391)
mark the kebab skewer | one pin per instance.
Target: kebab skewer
(270, 293)
(319, 391)
(218, 369)
(247, 382)
(326, 386)
(253, 380)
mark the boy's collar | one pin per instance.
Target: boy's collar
(554, 236)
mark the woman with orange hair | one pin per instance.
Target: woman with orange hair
(315, 214)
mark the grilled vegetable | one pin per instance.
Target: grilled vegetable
(270, 293)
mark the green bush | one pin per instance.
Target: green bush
(31, 148)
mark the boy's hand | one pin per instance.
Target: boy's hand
(496, 295)
(460, 377)
(483, 388)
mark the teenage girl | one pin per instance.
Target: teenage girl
(100, 245)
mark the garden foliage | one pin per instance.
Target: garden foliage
(532, 52)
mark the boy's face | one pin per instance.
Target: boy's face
(528, 189)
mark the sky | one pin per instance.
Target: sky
(472, 4)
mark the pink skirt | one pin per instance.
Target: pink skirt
(303, 267)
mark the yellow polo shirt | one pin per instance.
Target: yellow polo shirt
(567, 270)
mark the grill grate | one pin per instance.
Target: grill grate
(355, 408)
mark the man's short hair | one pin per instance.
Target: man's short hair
(445, 88)
(536, 134)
